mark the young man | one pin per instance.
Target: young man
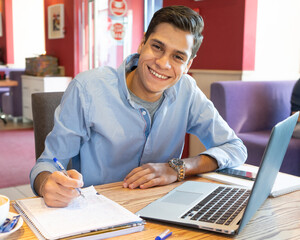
(130, 123)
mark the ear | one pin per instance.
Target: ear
(141, 45)
(188, 66)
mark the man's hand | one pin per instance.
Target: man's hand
(154, 174)
(59, 190)
(150, 175)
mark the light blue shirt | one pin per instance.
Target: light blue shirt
(113, 135)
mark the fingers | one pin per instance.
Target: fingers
(59, 190)
(138, 178)
(74, 175)
(73, 180)
(150, 175)
(134, 171)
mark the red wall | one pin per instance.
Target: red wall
(63, 48)
(225, 46)
(6, 41)
(249, 34)
(3, 39)
(138, 21)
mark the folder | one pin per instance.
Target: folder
(284, 183)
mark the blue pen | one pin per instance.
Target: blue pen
(7, 221)
(164, 235)
(62, 169)
(10, 224)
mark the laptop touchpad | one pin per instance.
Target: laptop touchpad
(181, 197)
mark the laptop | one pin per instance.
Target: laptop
(224, 208)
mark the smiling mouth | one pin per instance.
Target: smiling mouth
(157, 74)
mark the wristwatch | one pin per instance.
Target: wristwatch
(179, 166)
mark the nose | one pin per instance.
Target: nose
(163, 62)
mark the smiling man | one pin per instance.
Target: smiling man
(129, 124)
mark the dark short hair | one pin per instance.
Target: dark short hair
(181, 17)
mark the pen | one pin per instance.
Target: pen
(10, 224)
(62, 169)
(165, 234)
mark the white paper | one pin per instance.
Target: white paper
(94, 212)
(283, 184)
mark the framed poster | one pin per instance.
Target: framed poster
(56, 21)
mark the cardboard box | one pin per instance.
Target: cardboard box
(42, 65)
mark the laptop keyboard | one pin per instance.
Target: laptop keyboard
(221, 206)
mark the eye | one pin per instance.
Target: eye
(157, 47)
(179, 58)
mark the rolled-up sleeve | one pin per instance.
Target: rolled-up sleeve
(219, 139)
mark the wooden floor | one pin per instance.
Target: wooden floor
(22, 191)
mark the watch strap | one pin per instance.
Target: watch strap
(179, 166)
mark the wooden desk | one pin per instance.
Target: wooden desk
(278, 218)
(8, 83)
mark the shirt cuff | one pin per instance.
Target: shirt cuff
(37, 169)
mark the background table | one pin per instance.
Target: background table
(8, 83)
(278, 218)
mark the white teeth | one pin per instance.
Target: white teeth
(157, 75)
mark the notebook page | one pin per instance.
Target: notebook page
(93, 212)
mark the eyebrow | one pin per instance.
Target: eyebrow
(177, 51)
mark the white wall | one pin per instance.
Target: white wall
(277, 55)
(28, 29)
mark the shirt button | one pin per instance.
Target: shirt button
(144, 113)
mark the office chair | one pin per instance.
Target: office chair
(43, 107)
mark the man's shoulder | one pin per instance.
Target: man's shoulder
(187, 87)
(187, 82)
(100, 72)
(97, 75)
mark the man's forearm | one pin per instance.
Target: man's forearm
(200, 164)
(39, 182)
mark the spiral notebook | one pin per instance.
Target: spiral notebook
(92, 217)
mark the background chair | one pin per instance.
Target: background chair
(251, 109)
(2, 92)
(15, 94)
(11, 98)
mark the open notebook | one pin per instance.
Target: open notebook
(92, 217)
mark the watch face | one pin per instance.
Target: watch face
(178, 162)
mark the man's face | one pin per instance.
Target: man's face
(163, 59)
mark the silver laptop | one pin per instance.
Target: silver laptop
(223, 208)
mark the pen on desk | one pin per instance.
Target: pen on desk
(11, 224)
(62, 169)
(165, 234)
